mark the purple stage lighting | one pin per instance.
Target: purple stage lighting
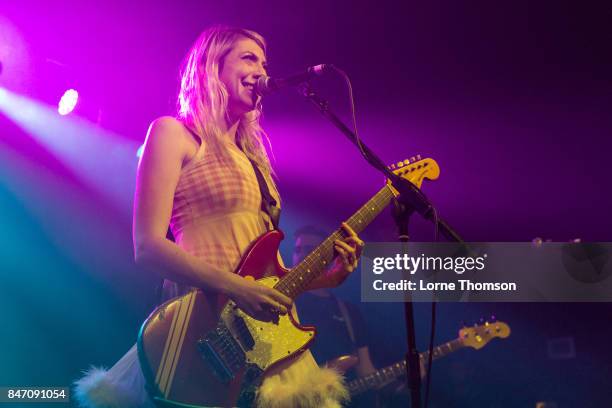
(68, 102)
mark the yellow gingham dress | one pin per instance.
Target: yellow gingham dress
(216, 216)
(217, 211)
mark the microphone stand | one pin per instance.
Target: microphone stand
(410, 199)
(401, 215)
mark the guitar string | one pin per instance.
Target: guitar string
(311, 263)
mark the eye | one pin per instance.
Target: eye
(250, 57)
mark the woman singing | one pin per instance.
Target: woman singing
(196, 176)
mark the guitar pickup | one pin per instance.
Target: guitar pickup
(242, 332)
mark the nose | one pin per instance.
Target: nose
(259, 72)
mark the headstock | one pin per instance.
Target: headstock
(478, 336)
(415, 170)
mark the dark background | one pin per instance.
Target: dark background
(511, 99)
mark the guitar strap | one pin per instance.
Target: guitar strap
(268, 203)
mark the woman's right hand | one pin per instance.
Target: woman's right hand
(257, 300)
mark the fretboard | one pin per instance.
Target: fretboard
(318, 260)
(389, 373)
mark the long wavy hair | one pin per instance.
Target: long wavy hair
(203, 98)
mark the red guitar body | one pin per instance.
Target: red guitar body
(169, 344)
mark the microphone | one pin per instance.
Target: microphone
(266, 85)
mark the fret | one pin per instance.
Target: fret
(399, 368)
(311, 267)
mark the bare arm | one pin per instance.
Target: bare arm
(166, 150)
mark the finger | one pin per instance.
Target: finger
(350, 251)
(357, 244)
(276, 295)
(346, 246)
(280, 298)
(344, 255)
(347, 228)
(355, 240)
(272, 306)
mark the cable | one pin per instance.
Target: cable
(353, 115)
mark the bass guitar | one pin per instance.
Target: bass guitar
(475, 337)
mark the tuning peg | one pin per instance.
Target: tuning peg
(482, 320)
(418, 157)
(493, 318)
(392, 166)
(407, 162)
(400, 164)
(412, 159)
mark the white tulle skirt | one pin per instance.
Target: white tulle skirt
(121, 386)
(301, 385)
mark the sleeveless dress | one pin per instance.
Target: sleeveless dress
(216, 215)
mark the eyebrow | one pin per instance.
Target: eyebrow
(263, 62)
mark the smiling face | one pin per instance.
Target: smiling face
(241, 67)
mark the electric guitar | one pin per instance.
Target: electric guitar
(475, 337)
(200, 349)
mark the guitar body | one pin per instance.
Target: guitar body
(200, 349)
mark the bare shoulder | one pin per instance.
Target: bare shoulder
(166, 127)
(168, 136)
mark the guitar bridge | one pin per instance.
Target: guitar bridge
(222, 353)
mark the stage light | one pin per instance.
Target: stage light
(68, 102)
(139, 151)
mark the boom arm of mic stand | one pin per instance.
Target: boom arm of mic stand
(410, 195)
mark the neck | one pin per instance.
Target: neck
(230, 128)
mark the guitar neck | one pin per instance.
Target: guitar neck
(318, 260)
(443, 350)
(389, 373)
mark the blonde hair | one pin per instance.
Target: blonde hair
(203, 98)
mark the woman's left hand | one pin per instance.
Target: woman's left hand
(349, 251)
